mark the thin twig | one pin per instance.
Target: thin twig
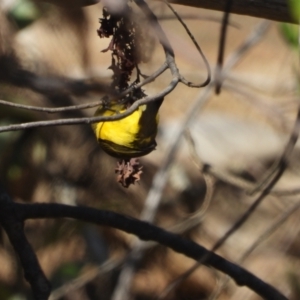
(49, 109)
(89, 120)
(82, 280)
(258, 102)
(271, 173)
(149, 79)
(253, 38)
(182, 79)
(209, 179)
(221, 50)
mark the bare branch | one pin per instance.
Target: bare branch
(82, 280)
(182, 79)
(76, 121)
(221, 50)
(49, 109)
(276, 10)
(13, 225)
(283, 160)
(146, 231)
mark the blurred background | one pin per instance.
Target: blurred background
(239, 133)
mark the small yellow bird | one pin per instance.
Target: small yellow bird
(132, 136)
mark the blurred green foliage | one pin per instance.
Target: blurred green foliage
(290, 33)
(65, 273)
(295, 9)
(24, 12)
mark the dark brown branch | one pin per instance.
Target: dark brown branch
(276, 10)
(13, 215)
(12, 224)
(146, 231)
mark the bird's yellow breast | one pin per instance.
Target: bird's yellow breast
(120, 132)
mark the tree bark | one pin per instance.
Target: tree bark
(276, 10)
